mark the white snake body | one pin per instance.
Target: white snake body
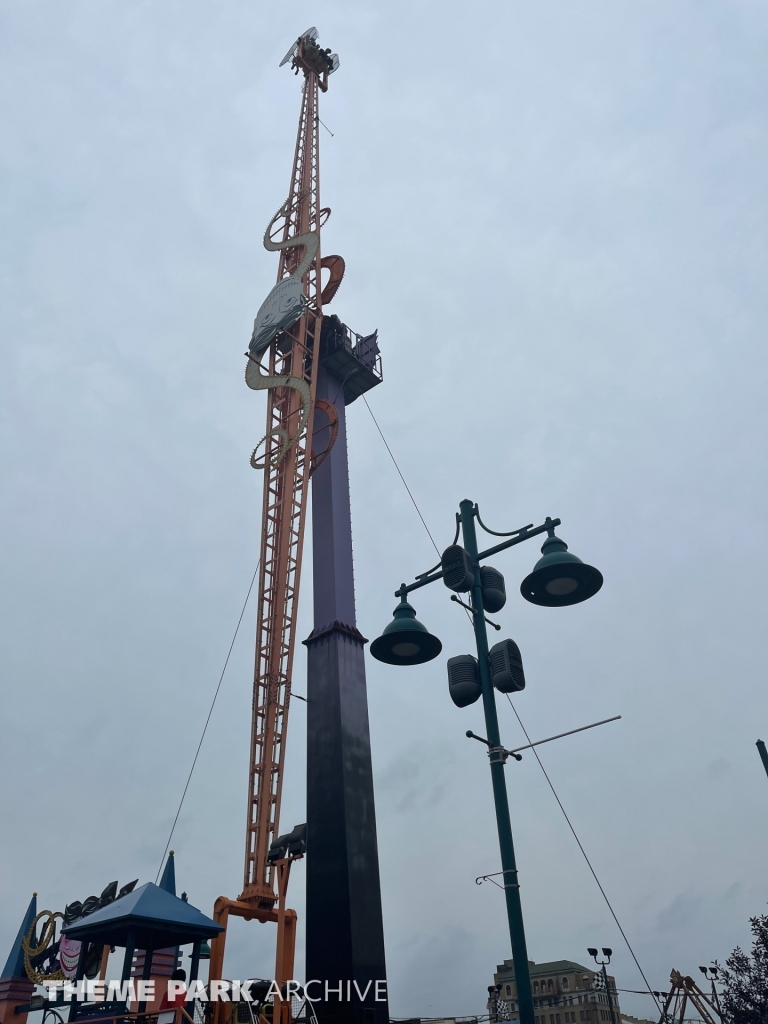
(280, 310)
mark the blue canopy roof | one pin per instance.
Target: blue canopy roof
(14, 965)
(156, 918)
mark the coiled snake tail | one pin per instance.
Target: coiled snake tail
(259, 381)
(255, 378)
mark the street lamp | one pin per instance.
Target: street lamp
(558, 578)
(607, 953)
(711, 974)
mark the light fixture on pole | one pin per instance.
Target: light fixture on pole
(711, 974)
(560, 578)
(607, 953)
(405, 641)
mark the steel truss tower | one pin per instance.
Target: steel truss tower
(315, 367)
(286, 476)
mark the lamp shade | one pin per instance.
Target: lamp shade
(405, 641)
(560, 578)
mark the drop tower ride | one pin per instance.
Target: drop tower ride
(312, 367)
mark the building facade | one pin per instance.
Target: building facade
(564, 992)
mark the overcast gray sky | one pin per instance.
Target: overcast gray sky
(555, 215)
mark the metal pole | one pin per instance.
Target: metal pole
(79, 976)
(715, 1000)
(608, 990)
(503, 824)
(194, 970)
(146, 974)
(570, 732)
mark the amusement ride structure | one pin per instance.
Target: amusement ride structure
(311, 366)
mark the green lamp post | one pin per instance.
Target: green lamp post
(558, 579)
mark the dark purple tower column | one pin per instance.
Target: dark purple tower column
(345, 935)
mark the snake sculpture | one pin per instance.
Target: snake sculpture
(279, 311)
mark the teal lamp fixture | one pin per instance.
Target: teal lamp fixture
(405, 641)
(560, 578)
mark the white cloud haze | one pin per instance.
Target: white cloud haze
(555, 215)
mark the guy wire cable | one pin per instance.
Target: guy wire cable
(421, 517)
(207, 720)
(586, 858)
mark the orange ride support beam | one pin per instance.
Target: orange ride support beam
(295, 352)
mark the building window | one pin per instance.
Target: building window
(509, 990)
(535, 986)
(565, 983)
(549, 984)
(581, 1015)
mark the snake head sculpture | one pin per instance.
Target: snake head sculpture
(279, 311)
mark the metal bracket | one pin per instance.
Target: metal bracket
(489, 878)
(470, 609)
(497, 755)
